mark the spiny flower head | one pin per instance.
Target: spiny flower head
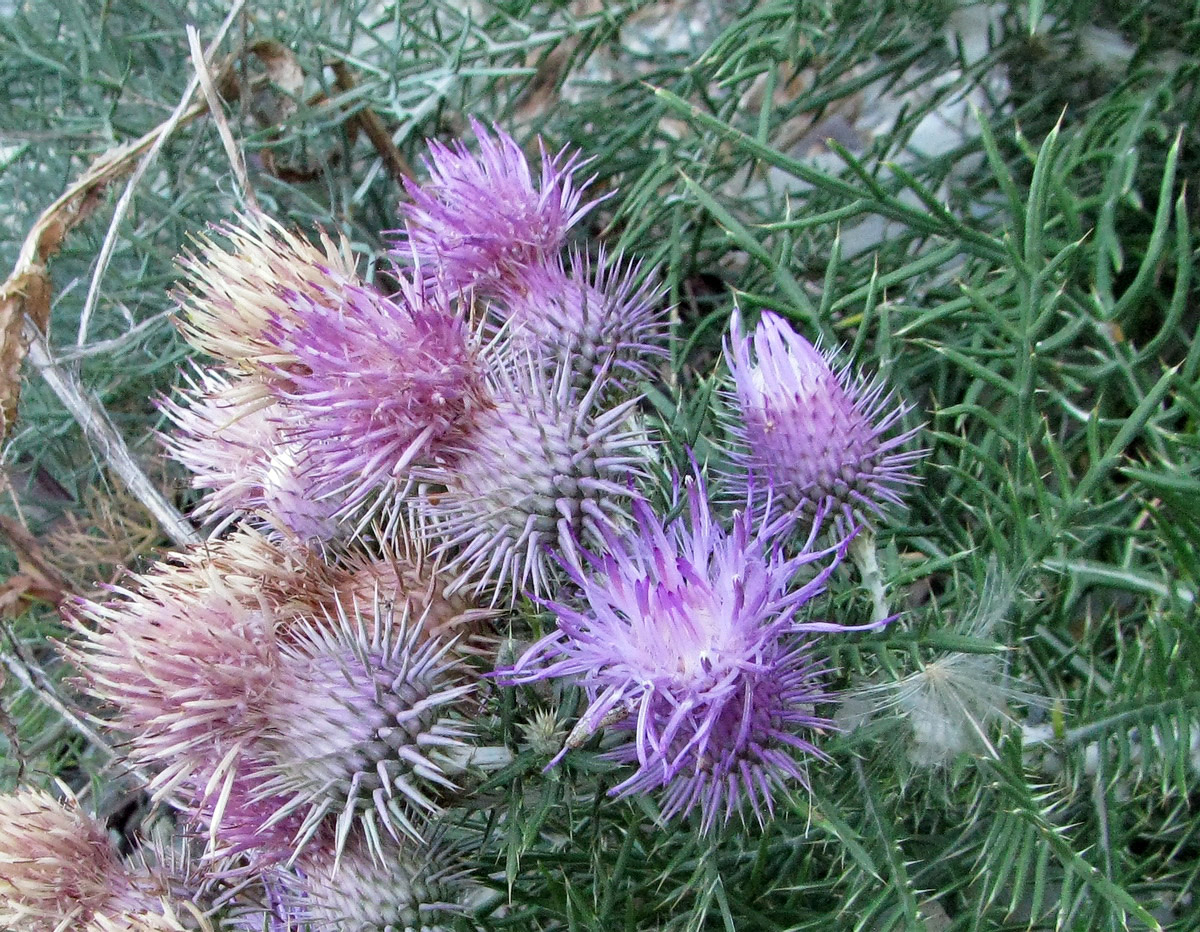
(236, 445)
(364, 718)
(544, 465)
(374, 383)
(231, 297)
(409, 584)
(815, 432)
(598, 316)
(188, 657)
(187, 667)
(687, 638)
(480, 220)
(58, 868)
(395, 887)
(273, 710)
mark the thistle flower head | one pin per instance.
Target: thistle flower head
(271, 709)
(409, 584)
(372, 383)
(816, 433)
(479, 220)
(188, 657)
(363, 716)
(397, 887)
(688, 639)
(542, 466)
(58, 868)
(232, 297)
(236, 445)
(186, 666)
(597, 316)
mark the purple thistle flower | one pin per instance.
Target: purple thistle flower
(373, 384)
(815, 433)
(598, 316)
(541, 468)
(236, 446)
(688, 640)
(479, 220)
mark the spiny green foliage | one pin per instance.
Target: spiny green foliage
(1033, 291)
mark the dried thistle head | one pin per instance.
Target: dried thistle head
(241, 448)
(58, 868)
(232, 296)
(410, 586)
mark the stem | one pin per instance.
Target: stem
(862, 552)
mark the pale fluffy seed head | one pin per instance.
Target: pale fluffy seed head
(816, 433)
(232, 295)
(952, 702)
(58, 868)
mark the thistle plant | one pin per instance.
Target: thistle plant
(399, 887)
(281, 710)
(375, 384)
(362, 723)
(435, 540)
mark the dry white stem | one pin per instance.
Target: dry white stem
(104, 437)
(164, 133)
(236, 160)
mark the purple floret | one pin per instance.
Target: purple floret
(377, 383)
(481, 219)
